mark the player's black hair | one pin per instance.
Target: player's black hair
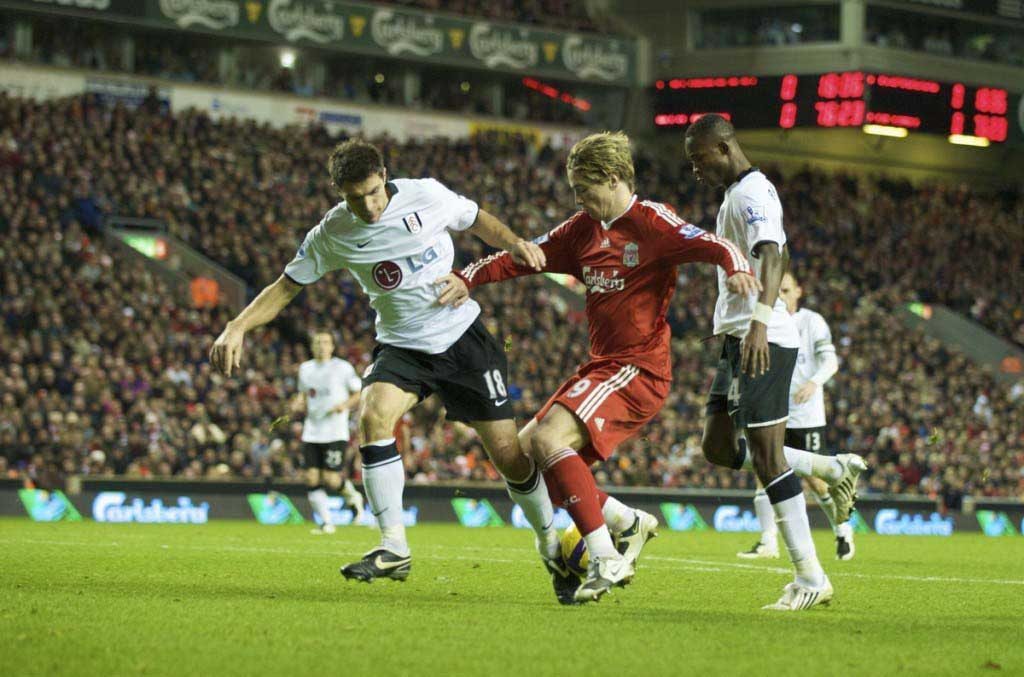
(711, 126)
(353, 161)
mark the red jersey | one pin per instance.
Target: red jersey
(629, 269)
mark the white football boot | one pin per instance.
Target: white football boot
(602, 574)
(798, 597)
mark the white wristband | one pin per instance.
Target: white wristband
(762, 313)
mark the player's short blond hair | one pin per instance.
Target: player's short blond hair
(598, 157)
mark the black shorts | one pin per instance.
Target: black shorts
(469, 377)
(809, 439)
(752, 402)
(326, 455)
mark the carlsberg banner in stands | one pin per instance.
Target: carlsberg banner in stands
(381, 31)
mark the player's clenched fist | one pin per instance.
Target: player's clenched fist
(526, 253)
(743, 283)
(226, 353)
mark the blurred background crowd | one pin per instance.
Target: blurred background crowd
(103, 372)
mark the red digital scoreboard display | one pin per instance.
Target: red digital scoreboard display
(849, 99)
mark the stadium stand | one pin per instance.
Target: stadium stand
(104, 374)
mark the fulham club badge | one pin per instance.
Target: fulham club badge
(413, 223)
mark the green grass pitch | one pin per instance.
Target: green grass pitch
(242, 599)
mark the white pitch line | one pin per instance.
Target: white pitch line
(676, 563)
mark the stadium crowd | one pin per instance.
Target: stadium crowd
(103, 370)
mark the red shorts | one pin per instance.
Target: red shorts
(613, 399)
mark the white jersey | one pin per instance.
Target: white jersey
(751, 214)
(326, 385)
(815, 344)
(396, 261)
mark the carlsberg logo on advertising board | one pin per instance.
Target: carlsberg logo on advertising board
(406, 33)
(892, 522)
(215, 14)
(110, 506)
(590, 60)
(729, 518)
(297, 20)
(497, 46)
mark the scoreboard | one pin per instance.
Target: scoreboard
(846, 99)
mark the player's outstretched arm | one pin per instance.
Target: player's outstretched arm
(557, 256)
(226, 353)
(495, 233)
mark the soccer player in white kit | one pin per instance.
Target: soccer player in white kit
(328, 389)
(816, 363)
(748, 403)
(393, 237)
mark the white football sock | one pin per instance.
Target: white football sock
(617, 515)
(599, 543)
(766, 518)
(384, 481)
(844, 530)
(828, 506)
(532, 496)
(806, 464)
(318, 499)
(791, 518)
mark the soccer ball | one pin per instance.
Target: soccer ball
(574, 551)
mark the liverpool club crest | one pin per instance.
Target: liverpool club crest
(631, 255)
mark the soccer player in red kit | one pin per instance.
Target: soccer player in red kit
(625, 251)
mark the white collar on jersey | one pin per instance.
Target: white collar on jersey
(608, 224)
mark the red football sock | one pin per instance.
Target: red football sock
(571, 480)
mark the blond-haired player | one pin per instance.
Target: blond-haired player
(626, 251)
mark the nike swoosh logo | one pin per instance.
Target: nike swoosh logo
(498, 403)
(381, 564)
(378, 514)
(360, 246)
